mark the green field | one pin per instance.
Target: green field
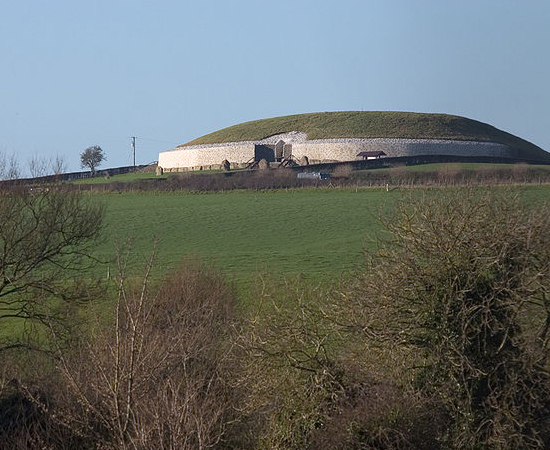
(312, 232)
(136, 176)
(317, 233)
(124, 178)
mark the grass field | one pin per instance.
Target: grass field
(318, 233)
(137, 176)
(124, 178)
(313, 232)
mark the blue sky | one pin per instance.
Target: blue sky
(79, 73)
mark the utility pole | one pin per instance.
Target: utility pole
(134, 149)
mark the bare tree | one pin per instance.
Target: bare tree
(43, 238)
(2, 165)
(58, 165)
(38, 166)
(92, 158)
(9, 167)
(13, 171)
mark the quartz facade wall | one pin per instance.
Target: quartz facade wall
(347, 149)
(325, 150)
(206, 156)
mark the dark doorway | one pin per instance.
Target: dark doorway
(266, 152)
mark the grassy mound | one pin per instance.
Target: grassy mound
(372, 124)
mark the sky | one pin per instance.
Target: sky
(76, 73)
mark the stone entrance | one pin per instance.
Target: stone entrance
(273, 152)
(264, 151)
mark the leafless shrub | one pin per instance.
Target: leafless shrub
(58, 165)
(398, 174)
(487, 174)
(377, 415)
(13, 171)
(159, 378)
(462, 287)
(283, 173)
(449, 173)
(342, 171)
(311, 384)
(292, 377)
(520, 171)
(27, 396)
(2, 165)
(38, 166)
(9, 167)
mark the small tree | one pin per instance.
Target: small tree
(92, 157)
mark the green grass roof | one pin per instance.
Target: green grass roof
(373, 124)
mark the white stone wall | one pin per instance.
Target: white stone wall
(347, 149)
(206, 155)
(326, 150)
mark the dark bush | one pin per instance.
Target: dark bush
(380, 416)
(462, 286)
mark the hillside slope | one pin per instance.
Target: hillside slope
(374, 124)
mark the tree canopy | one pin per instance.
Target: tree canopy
(92, 157)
